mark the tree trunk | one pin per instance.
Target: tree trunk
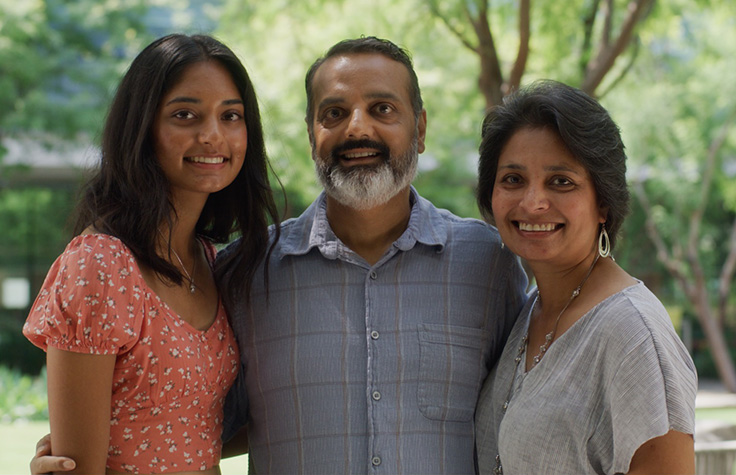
(610, 49)
(714, 334)
(490, 79)
(694, 288)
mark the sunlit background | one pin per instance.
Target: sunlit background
(670, 86)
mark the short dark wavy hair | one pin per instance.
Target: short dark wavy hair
(366, 45)
(585, 128)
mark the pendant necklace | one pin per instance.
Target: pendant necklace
(498, 469)
(189, 277)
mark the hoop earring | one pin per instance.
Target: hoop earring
(604, 242)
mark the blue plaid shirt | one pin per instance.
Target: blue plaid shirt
(353, 368)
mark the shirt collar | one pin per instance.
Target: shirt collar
(311, 229)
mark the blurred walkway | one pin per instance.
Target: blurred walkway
(712, 394)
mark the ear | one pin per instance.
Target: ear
(421, 130)
(602, 214)
(310, 134)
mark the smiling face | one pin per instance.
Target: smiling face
(200, 137)
(364, 136)
(544, 202)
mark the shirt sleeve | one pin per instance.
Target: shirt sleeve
(90, 301)
(651, 392)
(511, 297)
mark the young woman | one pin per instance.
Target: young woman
(140, 355)
(593, 378)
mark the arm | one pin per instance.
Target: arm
(672, 453)
(237, 445)
(79, 392)
(235, 433)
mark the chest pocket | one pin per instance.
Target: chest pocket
(451, 370)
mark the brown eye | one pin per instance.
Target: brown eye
(183, 114)
(232, 116)
(332, 114)
(511, 179)
(384, 108)
(562, 181)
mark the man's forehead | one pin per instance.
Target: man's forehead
(362, 59)
(376, 75)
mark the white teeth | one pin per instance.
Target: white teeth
(359, 155)
(206, 159)
(536, 227)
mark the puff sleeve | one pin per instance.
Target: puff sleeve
(91, 299)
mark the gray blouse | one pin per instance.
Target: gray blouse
(617, 378)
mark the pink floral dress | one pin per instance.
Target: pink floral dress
(170, 379)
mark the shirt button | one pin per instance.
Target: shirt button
(376, 461)
(374, 335)
(373, 275)
(376, 396)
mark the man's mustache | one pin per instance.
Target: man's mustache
(348, 145)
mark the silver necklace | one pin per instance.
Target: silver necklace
(498, 469)
(551, 335)
(189, 277)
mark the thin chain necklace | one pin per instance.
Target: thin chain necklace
(498, 470)
(189, 277)
(551, 335)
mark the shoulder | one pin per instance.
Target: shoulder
(93, 263)
(94, 277)
(96, 262)
(467, 230)
(286, 229)
(96, 251)
(291, 229)
(635, 329)
(634, 310)
(471, 227)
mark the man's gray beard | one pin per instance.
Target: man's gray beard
(367, 186)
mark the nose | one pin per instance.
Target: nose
(209, 132)
(358, 125)
(535, 199)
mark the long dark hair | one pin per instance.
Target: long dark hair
(129, 195)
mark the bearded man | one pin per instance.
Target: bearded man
(384, 314)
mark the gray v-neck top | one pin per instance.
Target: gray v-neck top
(617, 378)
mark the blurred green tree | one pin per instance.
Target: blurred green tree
(678, 112)
(58, 60)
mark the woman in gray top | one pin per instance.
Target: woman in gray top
(593, 378)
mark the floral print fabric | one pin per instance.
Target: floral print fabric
(170, 379)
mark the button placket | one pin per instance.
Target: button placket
(371, 287)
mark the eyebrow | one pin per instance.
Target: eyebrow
(194, 100)
(329, 101)
(553, 168)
